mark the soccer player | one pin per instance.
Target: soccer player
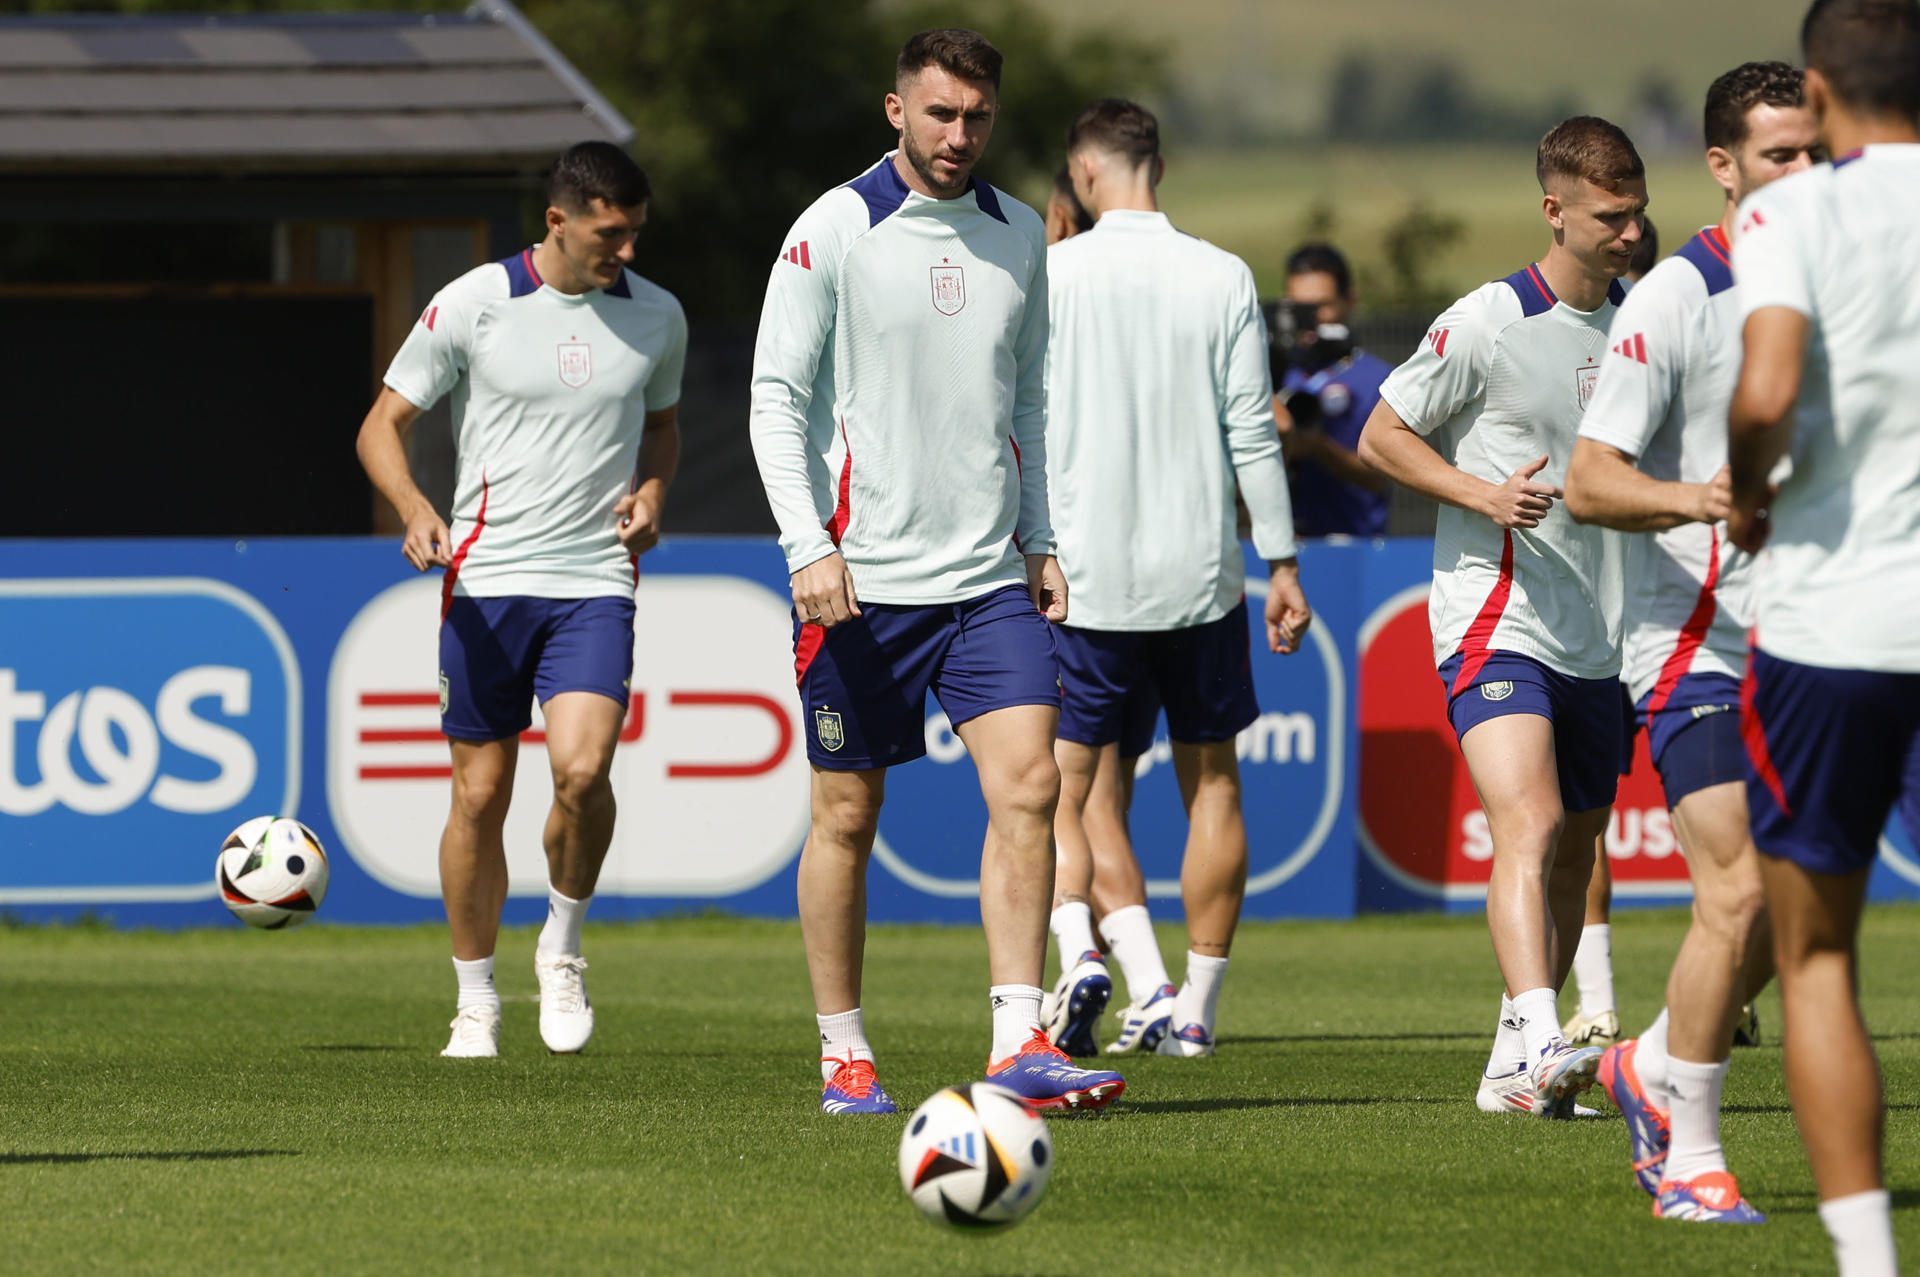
(899, 419)
(1328, 391)
(1525, 610)
(1651, 458)
(1159, 398)
(1829, 275)
(564, 368)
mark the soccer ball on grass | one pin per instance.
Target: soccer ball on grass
(271, 872)
(975, 1157)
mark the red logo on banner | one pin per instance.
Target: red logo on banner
(1420, 820)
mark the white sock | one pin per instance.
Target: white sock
(1539, 1020)
(1694, 1118)
(476, 984)
(1593, 969)
(843, 1038)
(561, 936)
(1861, 1225)
(1072, 926)
(1016, 1014)
(1200, 995)
(1130, 941)
(1509, 1050)
(1650, 1062)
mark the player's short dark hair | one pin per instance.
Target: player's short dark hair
(1322, 259)
(1118, 127)
(1647, 251)
(589, 171)
(1869, 52)
(1748, 85)
(1587, 148)
(955, 50)
(1063, 187)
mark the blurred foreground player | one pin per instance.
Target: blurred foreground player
(1829, 273)
(899, 417)
(1159, 399)
(564, 368)
(1652, 459)
(1525, 611)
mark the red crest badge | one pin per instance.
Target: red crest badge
(949, 289)
(576, 363)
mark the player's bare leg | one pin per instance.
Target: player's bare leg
(1567, 880)
(1832, 1076)
(473, 883)
(1213, 885)
(832, 889)
(1709, 977)
(1540, 871)
(1120, 903)
(1071, 1010)
(1595, 1020)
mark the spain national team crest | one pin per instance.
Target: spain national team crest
(576, 363)
(1496, 691)
(444, 697)
(949, 289)
(1586, 378)
(826, 726)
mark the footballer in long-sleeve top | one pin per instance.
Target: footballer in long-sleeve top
(899, 392)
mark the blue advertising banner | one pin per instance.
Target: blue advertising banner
(154, 695)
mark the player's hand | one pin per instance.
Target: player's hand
(1716, 497)
(1047, 586)
(823, 592)
(1288, 615)
(426, 540)
(639, 522)
(1748, 520)
(1520, 502)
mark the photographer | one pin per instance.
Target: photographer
(1325, 387)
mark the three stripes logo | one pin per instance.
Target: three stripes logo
(799, 256)
(960, 1146)
(1438, 340)
(1634, 347)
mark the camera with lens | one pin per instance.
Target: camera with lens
(1298, 342)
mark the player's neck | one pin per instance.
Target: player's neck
(1845, 132)
(1126, 196)
(556, 273)
(1573, 283)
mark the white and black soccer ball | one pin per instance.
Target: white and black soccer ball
(975, 1157)
(271, 872)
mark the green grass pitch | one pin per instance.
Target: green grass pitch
(229, 1101)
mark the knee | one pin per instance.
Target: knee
(1732, 908)
(1031, 787)
(581, 785)
(849, 817)
(1532, 833)
(481, 799)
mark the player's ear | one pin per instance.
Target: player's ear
(1725, 171)
(1818, 93)
(1159, 168)
(897, 112)
(556, 219)
(1551, 210)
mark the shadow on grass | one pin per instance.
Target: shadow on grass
(347, 1046)
(1226, 1103)
(1787, 1109)
(184, 1155)
(1361, 1037)
(1804, 1203)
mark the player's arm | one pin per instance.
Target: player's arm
(1033, 525)
(641, 510)
(1760, 419)
(382, 446)
(1252, 437)
(1313, 443)
(1776, 295)
(795, 322)
(1606, 486)
(1392, 447)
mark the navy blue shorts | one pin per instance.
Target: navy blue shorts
(1585, 713)
(1829, 753)
(498, 655)
(864, 683)
(1694, 736)
(1201, 674)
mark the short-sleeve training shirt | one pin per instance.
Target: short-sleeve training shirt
(1502, 378)
(1838, 583)
(550, 393)
(1664, 387)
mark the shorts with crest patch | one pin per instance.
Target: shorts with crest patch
(1585, 712)
(864, 683)
(499, 655)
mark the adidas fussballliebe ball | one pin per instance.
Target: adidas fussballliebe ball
(272, 872)
(975, 1157)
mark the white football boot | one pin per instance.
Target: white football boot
(566, 1014)
(1072, 1011)
(1507, 1093)
(1561, 1072)
(476, 1034)
(1142, 1027)
(1601, 1030)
